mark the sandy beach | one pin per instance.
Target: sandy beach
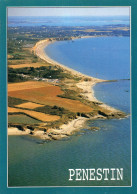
(88, 92)
(16, 131)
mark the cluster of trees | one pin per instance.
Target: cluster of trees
(55, 110)
(41, 72)
(13, 77)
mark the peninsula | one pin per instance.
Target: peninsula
(47, 99)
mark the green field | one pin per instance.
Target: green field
(22, 119)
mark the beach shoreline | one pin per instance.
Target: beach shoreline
(74, 125)
(86, 86)
(39, 50)
(64, 131)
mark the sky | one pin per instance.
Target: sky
(65, 11)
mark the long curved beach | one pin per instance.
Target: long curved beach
(87, 86)
(39, 50)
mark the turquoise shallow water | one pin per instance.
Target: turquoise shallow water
(34, 164)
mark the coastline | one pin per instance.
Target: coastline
(16, 131)
(53, 134)
(74, 125)
(86, 86)
(40, 52)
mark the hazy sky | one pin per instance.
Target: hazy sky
(54, 11)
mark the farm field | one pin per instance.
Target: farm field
(25, 85)
(37, 115)
(29, 105)
(46, 94)
(35, 65)
(22, 119)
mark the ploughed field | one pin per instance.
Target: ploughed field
(37, 94)
(29, 105)
(37, 115)
(46, 94)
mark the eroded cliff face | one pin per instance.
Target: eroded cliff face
(69, 128)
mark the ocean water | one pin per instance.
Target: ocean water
(14, 21)
(102, 57)
(115, 94)
(34, 163)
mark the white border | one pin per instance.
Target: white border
(10, 187)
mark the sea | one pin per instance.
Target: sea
(14, 21)
(32, 162)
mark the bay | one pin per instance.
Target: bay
(101, 57)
